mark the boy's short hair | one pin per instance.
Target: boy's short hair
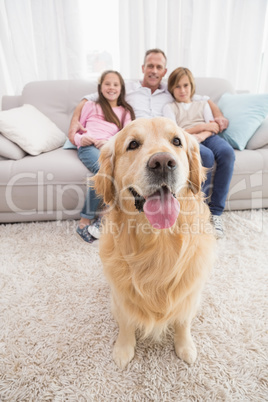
(175, 77)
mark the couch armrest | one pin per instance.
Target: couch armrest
(10, 101)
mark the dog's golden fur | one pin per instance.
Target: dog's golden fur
(156, 275)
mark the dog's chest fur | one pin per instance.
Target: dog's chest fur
(153, 275)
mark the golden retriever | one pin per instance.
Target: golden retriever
(157, 245)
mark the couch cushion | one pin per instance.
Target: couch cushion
(213, 87)
(56, 167)
(31, 130)
(249, 184)
(9, 150)
(51, 185)
(245, 113)
(57, 99)
(260, 137)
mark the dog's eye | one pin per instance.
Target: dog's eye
(133, 145)
(176, 141)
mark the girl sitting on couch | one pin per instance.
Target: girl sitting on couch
(102, 120)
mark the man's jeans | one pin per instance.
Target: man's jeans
(216, 149)
(89, 155)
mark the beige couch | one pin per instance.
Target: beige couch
(52, 185)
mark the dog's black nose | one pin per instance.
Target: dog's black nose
(162, 162)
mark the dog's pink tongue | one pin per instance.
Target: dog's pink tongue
(161, 209)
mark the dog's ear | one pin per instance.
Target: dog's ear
(197, 171)
(103, 181)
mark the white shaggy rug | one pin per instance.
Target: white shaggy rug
(57, 332)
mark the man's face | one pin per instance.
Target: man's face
(154, 70)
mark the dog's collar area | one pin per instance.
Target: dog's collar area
(139, 200)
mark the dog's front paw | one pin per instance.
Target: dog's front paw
(122, 355)
(187, 353)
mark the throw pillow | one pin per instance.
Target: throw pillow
(245, 113)
(260, 138)
(69, 145)
(31, 130)
(9, 150)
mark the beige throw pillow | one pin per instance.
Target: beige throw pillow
(9, 150)
(30, 129)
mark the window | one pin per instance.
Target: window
(100, 43)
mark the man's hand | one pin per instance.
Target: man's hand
(74, 128)
(222, 122)
(75, 125)
(212, 126)
(218, 116)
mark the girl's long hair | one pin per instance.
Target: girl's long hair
(108, 112)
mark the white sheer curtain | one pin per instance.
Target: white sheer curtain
(263, 76)
(38, 40)
(223, 38)
(63, 39)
